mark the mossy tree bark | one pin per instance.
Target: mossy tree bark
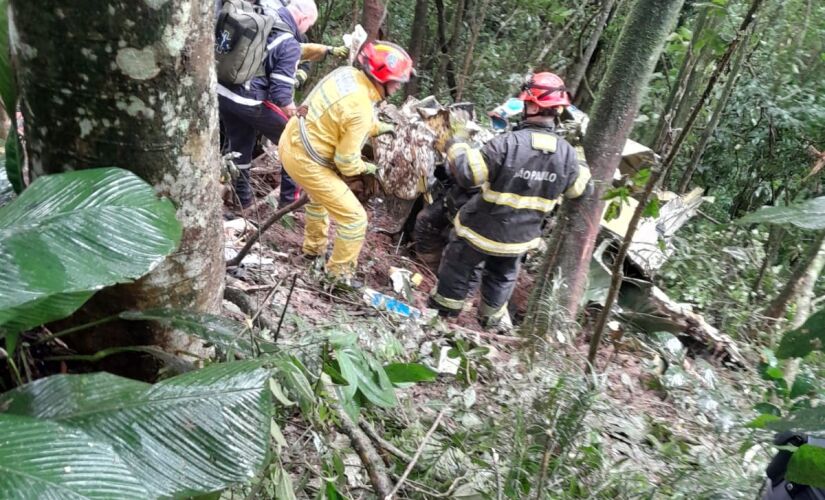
(637, 50)
(132, 85)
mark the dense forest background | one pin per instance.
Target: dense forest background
(249, 379)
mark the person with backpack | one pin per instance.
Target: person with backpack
(258, 51)
(521, 175)
(325, 144)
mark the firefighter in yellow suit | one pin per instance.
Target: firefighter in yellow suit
(327, 142)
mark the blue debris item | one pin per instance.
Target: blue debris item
(500, 115)
(382, 302)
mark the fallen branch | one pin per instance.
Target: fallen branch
(503, 339)
(383, 443)
(295, 205)
(366, 452)
(417, 455)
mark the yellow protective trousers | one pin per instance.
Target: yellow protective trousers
(329, 196)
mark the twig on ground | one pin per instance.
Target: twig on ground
(417, 455)
(295, 205)
(504, 339)
(283, 311)
(383, 443)
(366, 452)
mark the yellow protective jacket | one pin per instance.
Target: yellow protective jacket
(340, 117)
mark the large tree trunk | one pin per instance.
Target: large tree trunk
(574, 80)
(131, 84)
(638, 47)
(790, 292)
(710, 128)
(418, 36)
(372, 17)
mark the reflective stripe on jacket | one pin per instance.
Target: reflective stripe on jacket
(522, 174)
(340, 117)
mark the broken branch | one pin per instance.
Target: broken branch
(295, 205)
(417, 455)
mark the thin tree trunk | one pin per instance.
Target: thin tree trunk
(806, 294)
(418, 37)
(478, 22)
(372, 17)
(721, 67)
(577, 73)
(639, 44)
(561, 34)
(775, 234)
(445, 67)
(699, 149)
(584, 100)
(100, 90)
(789, 293)
(685, 72)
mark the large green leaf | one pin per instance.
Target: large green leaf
(366, 375)
(69, 235)
(291, 373)
(809, 214)
(808, 337)
(223, 332)
(400, 373)
(75, 465)
(807, 466)
(194, 433)
(12, 163)
(804, 420)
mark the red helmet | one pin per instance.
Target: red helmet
(545, 90)
(385, 62)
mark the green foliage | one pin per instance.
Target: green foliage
(807, 466)
(802, 341)
(99, 434)
(68, 235)
(809, 214)
(715, 271)
(227, 335)
(403, 373)
(8, 95)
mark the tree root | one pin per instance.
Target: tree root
(244, 302)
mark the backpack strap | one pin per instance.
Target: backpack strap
(282, 26)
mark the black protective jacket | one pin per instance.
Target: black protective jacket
(522, 174)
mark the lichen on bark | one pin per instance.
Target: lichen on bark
(99, 89)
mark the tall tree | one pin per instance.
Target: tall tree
(721, 103)
(477, 21)
(638, 48)
(101, 89)
(685, 81)
(418, 35)
(810, 264)
(574, 79)
(372, 17)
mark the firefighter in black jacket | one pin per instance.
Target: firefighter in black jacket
(522, 174)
